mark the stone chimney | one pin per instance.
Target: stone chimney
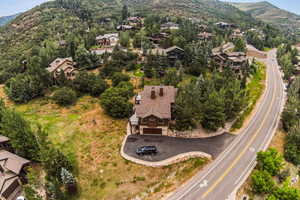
(153, 95)
(161, 91)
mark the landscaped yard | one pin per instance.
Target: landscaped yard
(93, 140)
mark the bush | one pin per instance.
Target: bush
(65, 96)
(89, 84)
(270, 161)
(119, 77)
(262, 182)
(115, 103)
(24, 87)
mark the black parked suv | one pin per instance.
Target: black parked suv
(146, 150)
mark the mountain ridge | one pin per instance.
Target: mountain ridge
(270, 13)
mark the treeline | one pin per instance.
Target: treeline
(268, 37)
(34, 145)
(291, 123)
(210, 101)
(287, 58)
(270, 179)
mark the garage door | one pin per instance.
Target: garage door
(155, 131)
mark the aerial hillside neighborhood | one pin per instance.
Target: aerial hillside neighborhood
(129, 100)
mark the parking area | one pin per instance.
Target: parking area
(170, 146)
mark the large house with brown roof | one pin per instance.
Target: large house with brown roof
(11, 174)
(65, 65)
(153, 110)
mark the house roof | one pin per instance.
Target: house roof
(173, 48)
(107, 36)
(160, 106)
(7, 179)
(57, 63)
(12, 162)
(102, 51)
(223, 48)
(3, 139)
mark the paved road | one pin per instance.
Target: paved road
(170, 146)
(223, 176)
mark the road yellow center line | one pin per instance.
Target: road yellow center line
(242, 153)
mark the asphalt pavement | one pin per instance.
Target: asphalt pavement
(170, 146)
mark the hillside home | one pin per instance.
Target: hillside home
(224, 56)
(153, 110)
(173, 53)
(12, 174)
(110, 39)
(157, 38)
(125, 28)
(224, 25)
(205, 36)
(169, 26)
(136, 22)
(237, 33)
(65, 65)
(101, 51)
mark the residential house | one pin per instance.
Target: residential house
(205, 36)
(125, 28)
(65, 65)
(110, 39)
(12, 174)
(136, 22)
(224, 56)
(224, 25)
(153, 110)
(169, 26)
(101, 51)
(157, 38)
(173, 53)
(237, 33)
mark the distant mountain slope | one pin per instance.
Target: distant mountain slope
(269, 13)
(52, 21)
(7, 19)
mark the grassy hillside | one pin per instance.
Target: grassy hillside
(6, 19)
(271, 14)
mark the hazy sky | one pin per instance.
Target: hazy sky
(290, 5)
(9, 7)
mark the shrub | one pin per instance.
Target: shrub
(115, 103)
(119, 77)
(89, 84)
(262, 182)
(270, 161)
(65, 96)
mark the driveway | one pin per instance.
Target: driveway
(171, 146)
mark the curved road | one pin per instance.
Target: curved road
(220, 179)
